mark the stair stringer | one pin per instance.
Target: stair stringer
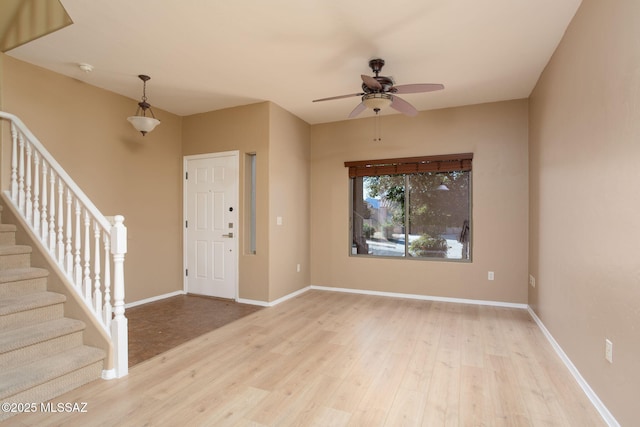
(94, 334)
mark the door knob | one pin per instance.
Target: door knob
(228, 235)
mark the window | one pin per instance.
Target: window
(418, 207)
(250, 202)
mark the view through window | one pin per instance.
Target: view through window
(421, 213)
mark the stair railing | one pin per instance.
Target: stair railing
(84, 244)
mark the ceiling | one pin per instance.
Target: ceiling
(205, 55)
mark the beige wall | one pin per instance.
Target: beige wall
(497, 135)
(245, 129)
(281, 144)
(289, 199)
(585, 199)
(86, 130)
(140, 177)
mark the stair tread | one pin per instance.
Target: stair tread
(30, 375)
(15, 249)
(16, 304)
(41, 356)
(15, 274)
(8, 227)
(18, 338)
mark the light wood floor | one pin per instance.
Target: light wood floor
(335, 359)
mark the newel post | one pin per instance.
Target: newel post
(119, 323)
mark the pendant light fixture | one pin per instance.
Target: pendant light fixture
(141, 122)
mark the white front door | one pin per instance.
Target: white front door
(211, 224)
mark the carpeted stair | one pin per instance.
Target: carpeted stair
(42, 354)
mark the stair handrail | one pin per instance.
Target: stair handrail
(69, 231)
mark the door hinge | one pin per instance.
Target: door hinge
(186, 175)
(186, 224)
(186, 272)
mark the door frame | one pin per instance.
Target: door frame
(236, 155)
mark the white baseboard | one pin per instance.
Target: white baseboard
(152, 299)
(253, 302)
(274, 302)
(422, 297)
(593, 397)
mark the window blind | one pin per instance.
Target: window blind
(442, 163)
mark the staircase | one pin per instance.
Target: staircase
(42, 354)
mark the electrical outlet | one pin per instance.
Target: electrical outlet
(608, 350)
(532, 281)
(298, 268)
(490, 276)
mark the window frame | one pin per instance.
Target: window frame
(406, 167)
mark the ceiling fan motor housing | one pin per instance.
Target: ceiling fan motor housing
(376, 65)
(385, 82)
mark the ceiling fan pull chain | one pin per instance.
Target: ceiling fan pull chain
(376, 126)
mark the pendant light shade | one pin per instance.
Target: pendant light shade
(141, 122)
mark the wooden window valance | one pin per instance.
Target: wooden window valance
(442, 163)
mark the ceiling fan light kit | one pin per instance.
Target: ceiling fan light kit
(379, 92)
(377, 100)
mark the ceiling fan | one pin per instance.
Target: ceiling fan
(379, 92)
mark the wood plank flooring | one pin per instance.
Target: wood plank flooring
(335, 359)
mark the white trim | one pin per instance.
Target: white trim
(253, 302)
(108, 374)
(274, 302)
(152, 299)
(289, 296)
(593, 397)
(422, 297)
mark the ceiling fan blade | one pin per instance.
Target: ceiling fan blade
(359, 109)
(338, 97)
(417, 88)
(403, 106)
(370, 82)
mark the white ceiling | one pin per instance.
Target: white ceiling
(205, 55)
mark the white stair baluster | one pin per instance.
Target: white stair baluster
(21, 173)
(52, 213)
(97, 293)
(86, 282)
(77, 267)
(28, 202)
(60, 237)
(107, 312)
(14, 163)
(68, 256)
(44, 226)
(36, 194)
